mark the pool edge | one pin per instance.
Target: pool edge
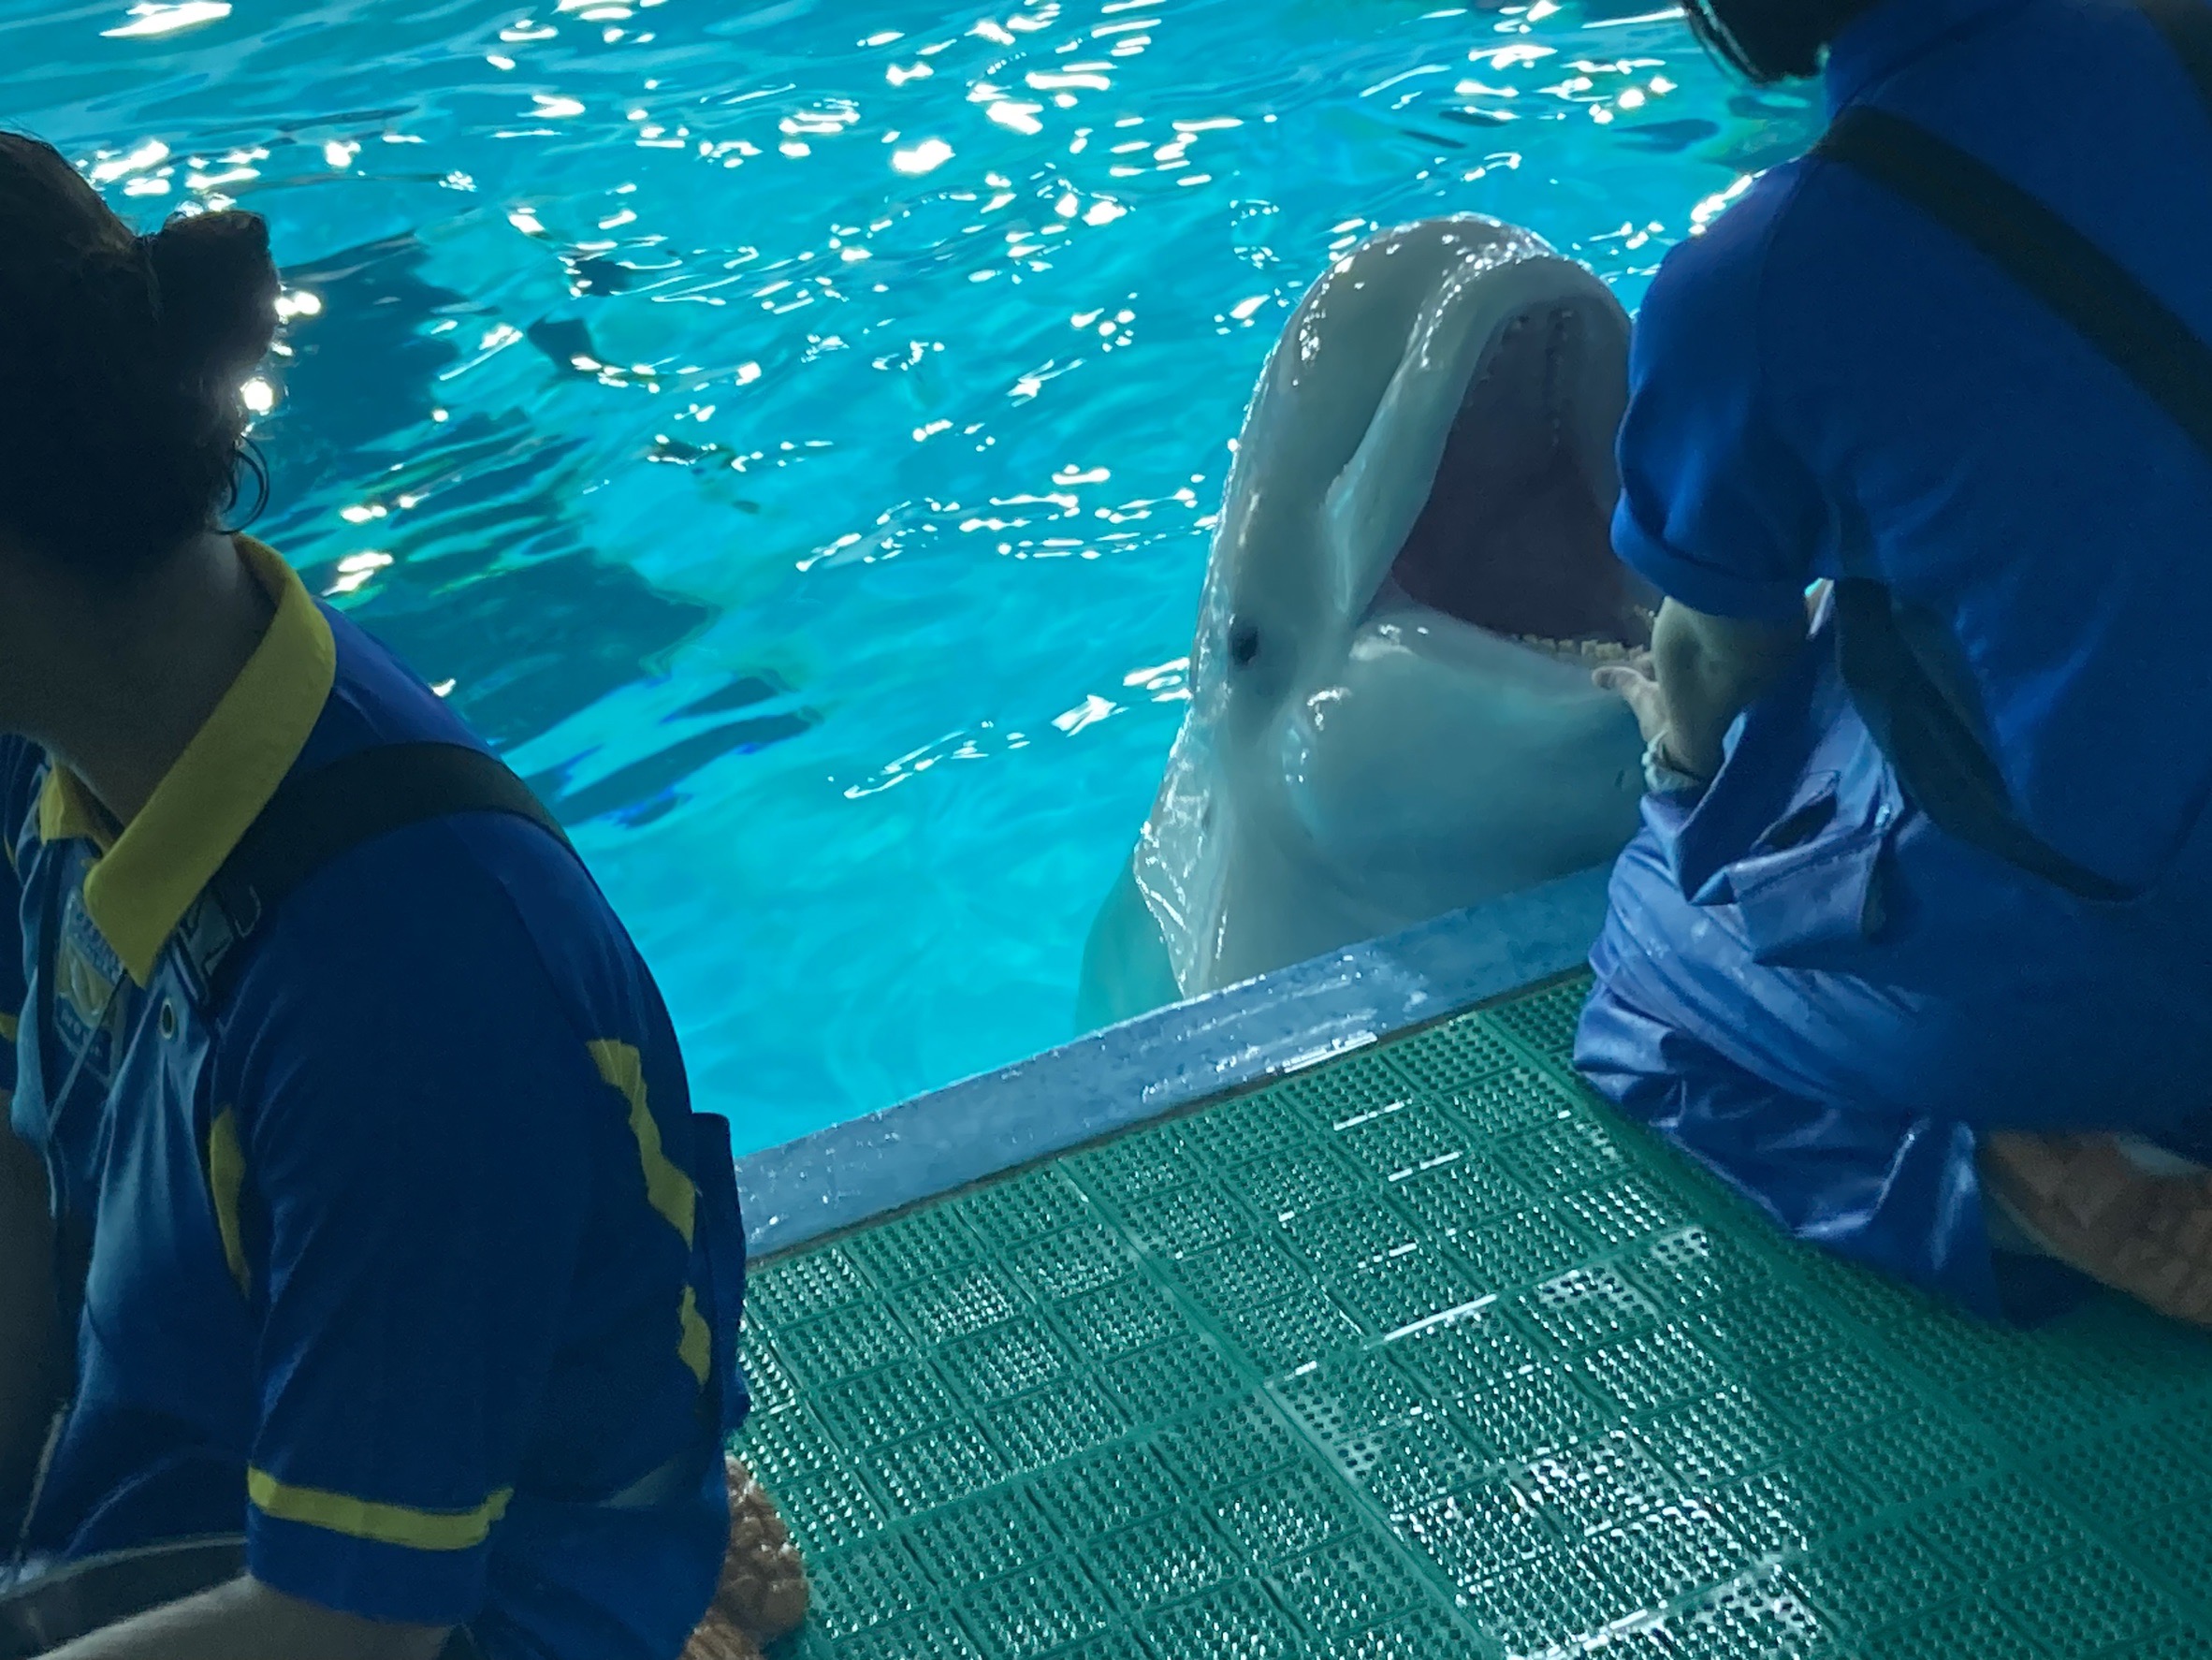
(1173, 1057)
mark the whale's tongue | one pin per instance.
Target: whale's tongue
(1514, 540)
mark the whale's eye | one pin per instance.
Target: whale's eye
(1243, 643)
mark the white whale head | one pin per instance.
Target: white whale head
(1391, 711)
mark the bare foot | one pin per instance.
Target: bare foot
(764, 1593)
(2085, 1200)
(718, 1640)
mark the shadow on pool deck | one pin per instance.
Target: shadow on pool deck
(1423, 1354)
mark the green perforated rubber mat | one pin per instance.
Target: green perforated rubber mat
(1424, 1354)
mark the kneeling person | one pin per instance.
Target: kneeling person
(353, 1166)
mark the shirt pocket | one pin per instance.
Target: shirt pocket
(1792, 840)
(1808, 891)
(1810, 888)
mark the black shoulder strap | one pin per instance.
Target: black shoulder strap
(315, 818)
(2186, 25)
(1940, 759)
(2101, 297)
(1940, 762)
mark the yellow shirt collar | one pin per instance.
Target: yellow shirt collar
(149, 874)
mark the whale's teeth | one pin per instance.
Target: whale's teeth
(1584, 650)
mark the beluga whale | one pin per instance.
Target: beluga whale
(1392, 711)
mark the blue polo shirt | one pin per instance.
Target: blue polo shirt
(392, 1258)
(1828, 377)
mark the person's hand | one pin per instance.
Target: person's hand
(1633, 683)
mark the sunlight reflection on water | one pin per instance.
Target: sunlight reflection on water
(790, 430)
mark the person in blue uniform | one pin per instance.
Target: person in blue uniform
(355, 1217)
(1912, 945)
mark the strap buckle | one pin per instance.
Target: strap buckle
(316, 817)
(213, 929)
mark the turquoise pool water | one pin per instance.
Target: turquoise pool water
(792, 428)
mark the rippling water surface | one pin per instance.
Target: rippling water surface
(792, 428)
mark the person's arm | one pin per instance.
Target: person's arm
(27, 1335)
(1705, 671)
(418, 1184)
(415, 1120)
(31, 1352)
(245, 1620)
(1719, 511)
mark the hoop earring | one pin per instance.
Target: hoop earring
(1722, 42)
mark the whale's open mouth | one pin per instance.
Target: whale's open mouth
(1516, 538)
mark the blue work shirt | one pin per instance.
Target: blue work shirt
(1828, 381)
(1802, 980)
(392, 1261)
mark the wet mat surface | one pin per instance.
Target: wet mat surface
(1425, 1353)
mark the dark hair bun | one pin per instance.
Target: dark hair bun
(121, 428)
(216, 288)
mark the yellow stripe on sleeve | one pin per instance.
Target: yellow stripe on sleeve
(10, 1025)
(384, 1524)
(696, 1350)
(226, 1181)
(667, 1187)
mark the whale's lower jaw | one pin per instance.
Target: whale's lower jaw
(1437, 765)
(1280, 888)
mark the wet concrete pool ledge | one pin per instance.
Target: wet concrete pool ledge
(1176, 1058)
